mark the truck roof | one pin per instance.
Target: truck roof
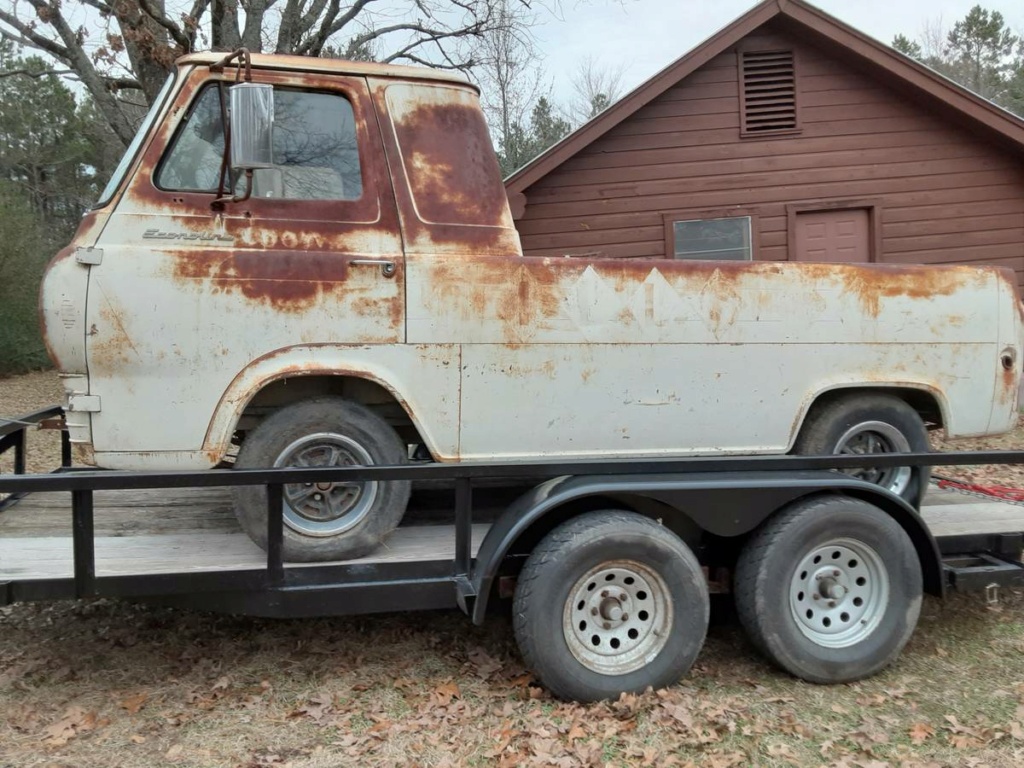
(332, 66)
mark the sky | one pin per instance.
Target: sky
(644, 36)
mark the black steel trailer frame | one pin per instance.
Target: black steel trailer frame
(723, 496)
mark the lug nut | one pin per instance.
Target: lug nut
(593, 611)
(604, 593)
(831, 603)
(816, 596)
(607, 625)
(835, 573)
(625, 617)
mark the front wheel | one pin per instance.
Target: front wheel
(829, 589)
(610, 602)
(324, 521)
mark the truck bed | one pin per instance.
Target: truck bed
(145, 532)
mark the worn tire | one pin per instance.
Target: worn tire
(776, 611)
(666, 581)
(326, 422)
(890, 420)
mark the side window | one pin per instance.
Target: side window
(712, 239)
(193, 162)
(316, 151)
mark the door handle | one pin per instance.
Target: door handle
(387, 268)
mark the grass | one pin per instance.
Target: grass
(108, 684)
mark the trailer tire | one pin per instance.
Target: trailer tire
(610, 602)
(339, 521)
(829, 589)
(858, 424)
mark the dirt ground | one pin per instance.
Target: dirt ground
(108, 684)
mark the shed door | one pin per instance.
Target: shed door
(833, 236)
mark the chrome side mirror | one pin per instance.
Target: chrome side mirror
(252, 126)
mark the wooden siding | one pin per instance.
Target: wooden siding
(945, 195)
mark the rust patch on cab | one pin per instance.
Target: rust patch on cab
(286, 281)
(443, 147)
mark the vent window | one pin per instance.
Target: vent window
(768, 92)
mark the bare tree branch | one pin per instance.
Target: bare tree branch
(77, 59)
(190, 23)
(160, 18)
(451, 65)
(99, 5)
(35, 73)
(310, 17)
(429, 35)
(331, 24)
(143, 37)
(31, 37)
(122, 83)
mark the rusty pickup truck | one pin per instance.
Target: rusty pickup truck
(309, 262)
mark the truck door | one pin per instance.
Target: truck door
(190, 291)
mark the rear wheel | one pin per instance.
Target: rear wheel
(324, 521)
(870, 424)
(610, 602)
(829, 589)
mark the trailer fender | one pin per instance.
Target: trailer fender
(725, 504)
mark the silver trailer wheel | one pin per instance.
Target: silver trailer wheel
(839, 593)
(829, 588)
(618, 617)
(610, 602)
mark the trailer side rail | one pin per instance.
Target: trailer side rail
(404, 585)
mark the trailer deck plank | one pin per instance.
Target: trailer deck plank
(34, 557)
(194, 530)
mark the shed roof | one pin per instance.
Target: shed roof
(915, 80)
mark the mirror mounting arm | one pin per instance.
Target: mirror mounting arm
(245, 64)
(244, 61)
(222, 198)
(247, 126)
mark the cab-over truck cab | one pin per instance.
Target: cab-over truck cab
(357, 295)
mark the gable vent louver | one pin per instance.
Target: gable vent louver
(769, 91)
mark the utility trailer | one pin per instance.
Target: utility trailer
(610, 563)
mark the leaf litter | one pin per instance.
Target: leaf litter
(104, 683)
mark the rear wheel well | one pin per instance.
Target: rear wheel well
(924, 402)
(282, 392)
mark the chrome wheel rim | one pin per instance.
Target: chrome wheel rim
(326, 509)
(838, 593)
(872, 437)
(618, 617)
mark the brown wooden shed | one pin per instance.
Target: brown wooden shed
(788, 135)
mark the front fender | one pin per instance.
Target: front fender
(725, 504)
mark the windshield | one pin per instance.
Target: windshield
(133, 148)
